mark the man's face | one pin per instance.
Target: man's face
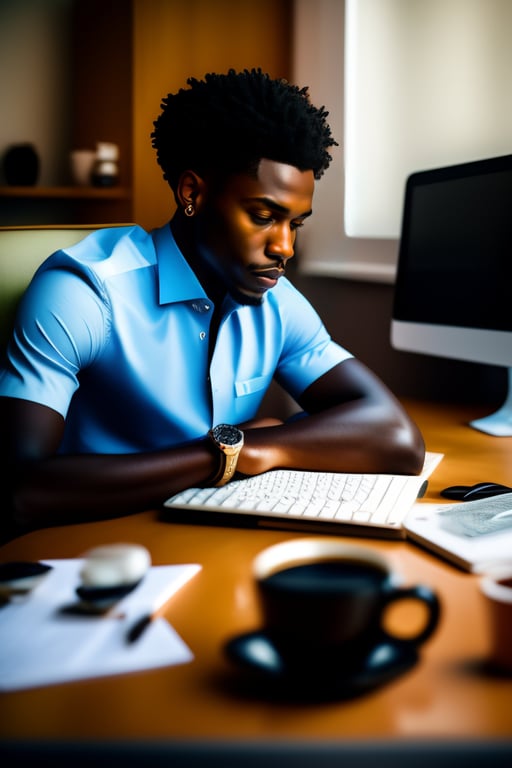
(248, 228)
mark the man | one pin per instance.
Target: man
(129, 348)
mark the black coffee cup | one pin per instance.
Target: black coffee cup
(324, 600)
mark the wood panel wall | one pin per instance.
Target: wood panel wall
(174, 40)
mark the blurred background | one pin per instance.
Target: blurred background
(77, 72)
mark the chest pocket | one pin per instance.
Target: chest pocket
(248, 396)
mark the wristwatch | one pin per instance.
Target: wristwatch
(229, 440)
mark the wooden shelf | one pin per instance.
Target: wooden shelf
(56, 193)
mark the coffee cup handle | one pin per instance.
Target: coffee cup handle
(424, 595)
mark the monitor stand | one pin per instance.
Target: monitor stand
(500, 422)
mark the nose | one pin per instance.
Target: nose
(281, 242)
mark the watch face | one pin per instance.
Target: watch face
(227, 434)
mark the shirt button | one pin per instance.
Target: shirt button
(202, 335)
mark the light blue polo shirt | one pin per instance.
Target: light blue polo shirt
(113, 334)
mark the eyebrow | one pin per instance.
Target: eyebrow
(268, 201)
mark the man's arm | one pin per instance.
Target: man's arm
(44, 488)
(354, 424)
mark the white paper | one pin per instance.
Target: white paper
(41, 645)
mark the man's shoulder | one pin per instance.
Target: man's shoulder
(107, 252)
(285, 293)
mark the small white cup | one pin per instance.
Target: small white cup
(496, 586)
(82, 162)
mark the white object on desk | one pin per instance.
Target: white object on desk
(470, 534)
(115, 564)
(321, 502)
(41, 645)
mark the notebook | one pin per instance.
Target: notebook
(323, 502)
(470, 535)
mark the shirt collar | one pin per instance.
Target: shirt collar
(177, 281)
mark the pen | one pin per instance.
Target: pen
(139, 627)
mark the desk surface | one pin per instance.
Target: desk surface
(448, 694)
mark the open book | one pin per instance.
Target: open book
(323, 502)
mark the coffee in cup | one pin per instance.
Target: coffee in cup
(323, 600)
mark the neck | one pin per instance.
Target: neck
(184, 233)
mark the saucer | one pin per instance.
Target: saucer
(269, 671)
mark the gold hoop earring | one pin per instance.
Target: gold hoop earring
(189, 210)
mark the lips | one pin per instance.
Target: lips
(270, 273)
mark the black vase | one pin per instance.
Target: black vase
(21, 165)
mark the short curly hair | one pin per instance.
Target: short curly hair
(226, 123)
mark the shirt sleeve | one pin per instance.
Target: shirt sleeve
(308, 350)
(59, 330)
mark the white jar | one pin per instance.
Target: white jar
(105, 172)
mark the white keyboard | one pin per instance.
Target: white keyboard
(368, 499)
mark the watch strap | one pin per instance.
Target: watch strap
(227, 469)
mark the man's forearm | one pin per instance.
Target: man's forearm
(355, 437)
(64, 489)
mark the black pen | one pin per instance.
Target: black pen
(139, 627)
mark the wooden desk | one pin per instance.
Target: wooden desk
(448, 695)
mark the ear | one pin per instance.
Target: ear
(191, 190)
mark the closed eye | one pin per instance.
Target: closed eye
(261, 219)
(264, 221)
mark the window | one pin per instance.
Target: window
(410, 85)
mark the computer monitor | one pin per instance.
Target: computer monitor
(453, 293)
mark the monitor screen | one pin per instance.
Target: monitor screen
(454, 278)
